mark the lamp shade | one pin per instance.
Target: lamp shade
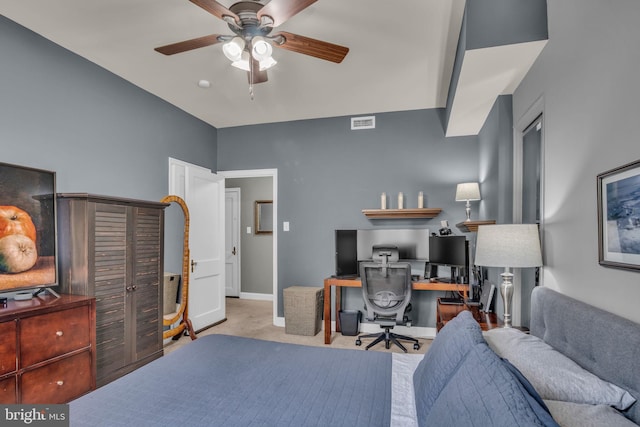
(467, 191)
(508, 245)
(233, 49)
(260, 48)
(243, 62)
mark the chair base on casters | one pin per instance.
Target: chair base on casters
(388, 337)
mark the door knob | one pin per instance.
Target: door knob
(233, 252)
(193, 264)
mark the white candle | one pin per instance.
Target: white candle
(400, 201)
(420, 200)
(383, 201)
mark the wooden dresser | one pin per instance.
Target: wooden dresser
(446, 312)
(47, 350)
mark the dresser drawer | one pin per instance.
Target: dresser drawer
(8, 356)
(53, 334)
(8, 390)
(57, 382)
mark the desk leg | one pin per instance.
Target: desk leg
(338, 307)
(327, 312)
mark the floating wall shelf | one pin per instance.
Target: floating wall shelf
(401, 213)
(472, 226)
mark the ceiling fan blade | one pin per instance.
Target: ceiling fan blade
(258, 76)
(216, 9)
(187, 45)
(312, 47)
(281, 10)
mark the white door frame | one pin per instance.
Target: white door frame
(273, 174)
(234, 291)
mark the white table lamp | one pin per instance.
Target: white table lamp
(508, 245)
(467, 192)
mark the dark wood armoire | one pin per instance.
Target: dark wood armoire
(112, 249)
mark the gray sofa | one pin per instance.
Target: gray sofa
(601, 342)
(579, 365)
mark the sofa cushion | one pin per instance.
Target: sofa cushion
(569, 414)
(554, 375)
(441, 360)
(484, 391)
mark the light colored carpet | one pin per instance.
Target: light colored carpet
(254, 319)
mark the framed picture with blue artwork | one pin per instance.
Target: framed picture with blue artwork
(619, 217)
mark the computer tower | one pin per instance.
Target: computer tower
(346, 253)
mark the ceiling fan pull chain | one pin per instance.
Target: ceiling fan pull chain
(251, 78)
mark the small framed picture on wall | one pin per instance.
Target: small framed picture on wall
(619, 217)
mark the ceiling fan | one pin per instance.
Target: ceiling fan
(250, 47)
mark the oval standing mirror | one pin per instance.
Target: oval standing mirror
(178, 321)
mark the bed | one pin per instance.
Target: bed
(465, 378)
(234, 381)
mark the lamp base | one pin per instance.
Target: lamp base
(506, 291)
(468, 211)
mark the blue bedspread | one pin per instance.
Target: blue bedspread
(221, 380)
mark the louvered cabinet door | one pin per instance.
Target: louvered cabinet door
(109, 261)
(146, 277)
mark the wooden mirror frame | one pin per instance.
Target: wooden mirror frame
(264, 216)
(182, 313)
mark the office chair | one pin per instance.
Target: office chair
(386, 289)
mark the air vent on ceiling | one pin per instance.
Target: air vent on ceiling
(368, 122)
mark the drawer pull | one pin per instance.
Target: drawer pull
(59, 333)
(60, 383)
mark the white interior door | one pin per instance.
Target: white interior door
(232, 242)
(203, 191)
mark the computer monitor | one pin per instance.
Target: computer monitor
(451, 251)
(448, 250)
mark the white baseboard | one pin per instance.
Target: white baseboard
(255, 296)
(371, 328)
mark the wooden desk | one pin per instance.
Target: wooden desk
(446, 312)
(423, 285)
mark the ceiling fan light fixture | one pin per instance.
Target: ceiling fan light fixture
(267, 63)
(233, 49)
(261, 49)
(243, 62)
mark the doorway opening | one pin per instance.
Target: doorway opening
(251, 249)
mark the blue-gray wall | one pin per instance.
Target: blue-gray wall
(99, 133)
(587, 82)
(328, 173)
(492, 23)
(495, 142)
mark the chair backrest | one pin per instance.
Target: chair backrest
(386, 289)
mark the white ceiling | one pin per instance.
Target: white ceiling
(401, 55)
